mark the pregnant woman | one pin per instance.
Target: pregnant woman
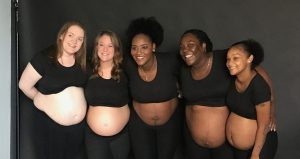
(54, 80)
(107, 96)
(249, 100)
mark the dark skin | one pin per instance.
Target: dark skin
(142, 51)
(193, 52)
(239, 64)
(206, 124)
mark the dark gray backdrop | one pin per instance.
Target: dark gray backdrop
(276, 24)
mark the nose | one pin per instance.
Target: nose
(228, 63)
(105, 48)
(74, 41)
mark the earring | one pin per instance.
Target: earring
(153, 50)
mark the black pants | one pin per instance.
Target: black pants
(155, 142)
(54, 141)
(268, 151)
(195, 151)
(107, 147)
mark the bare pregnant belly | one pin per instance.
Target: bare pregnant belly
(240, 131)
(155, 113)
(107, 121)
(67, 107)
(207, 124)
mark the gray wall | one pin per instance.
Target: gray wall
(5, 70)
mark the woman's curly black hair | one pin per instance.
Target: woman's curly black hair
(148, 26)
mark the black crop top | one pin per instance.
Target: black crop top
(211, 90)
(162, 88)
(56, 77)
(244, 103)
(107, 92)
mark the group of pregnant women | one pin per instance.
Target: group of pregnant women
(213, 104)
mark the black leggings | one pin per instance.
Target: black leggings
(268, 151)
(54, 141)
(107, 147)
(155, 142)
(195, 151)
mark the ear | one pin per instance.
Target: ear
(61, 37)
(153, 47)
(204, 46)
(250, 58)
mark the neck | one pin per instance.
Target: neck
(245, 76)
(106, 65)
(104, 69)
(203, 63)
(66, 59)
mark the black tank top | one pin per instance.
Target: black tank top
(211, 90)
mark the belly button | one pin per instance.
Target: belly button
(75, 116)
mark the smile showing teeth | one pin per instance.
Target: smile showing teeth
(140, 58)
(188, 56)
(72, 46)
(231, 68)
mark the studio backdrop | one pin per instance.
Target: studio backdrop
(273, 23)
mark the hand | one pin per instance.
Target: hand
(38, 101)
(273, 122)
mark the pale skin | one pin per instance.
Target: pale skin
(241, 132)
(104, 120)
(67, 107)
(142, 51)
(206, 124)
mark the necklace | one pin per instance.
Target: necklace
(201, 72)
(146, 75)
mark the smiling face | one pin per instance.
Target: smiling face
(191, 49)
(105, 49)
(142, 49)
(72, 40)
(238, 60)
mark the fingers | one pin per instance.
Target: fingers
(272, 126)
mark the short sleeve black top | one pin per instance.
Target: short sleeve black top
(56, 77)
(162, 88)
(244, 103)
(107, 92)
(211, 90)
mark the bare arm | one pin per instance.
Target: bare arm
(265, 75)
(263, 119)
(27, 81)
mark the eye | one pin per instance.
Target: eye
(80, 39)
(144, 47)
(133, 48)
(191, 45)
(69, 34)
